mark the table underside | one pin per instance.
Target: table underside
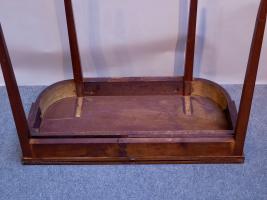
(122, 114)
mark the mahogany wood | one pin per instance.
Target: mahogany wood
(134, 120)
(250, 78)
(190, 47)
(74, 48)
(14, 97)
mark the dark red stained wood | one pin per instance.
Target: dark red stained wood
(14, 97)
(134, 107)
(120, 161)
(190, 47)
(250, 78)
(132, 114)
(133, 86)
(135, 120)
(132, 148)
(74, 48)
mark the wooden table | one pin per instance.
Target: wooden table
(135, 120)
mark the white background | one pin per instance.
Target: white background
(129, 38)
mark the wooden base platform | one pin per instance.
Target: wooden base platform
(133, 120)
(111, 115)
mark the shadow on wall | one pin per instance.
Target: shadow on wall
(95, 46)
(200, 42)
(121, 57)
(64, 40)
(120, 51)
(181, 41)
(180, 49)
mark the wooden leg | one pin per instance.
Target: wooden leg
(250, 79)
(14, 98)
(190, 47)
(74, 48)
